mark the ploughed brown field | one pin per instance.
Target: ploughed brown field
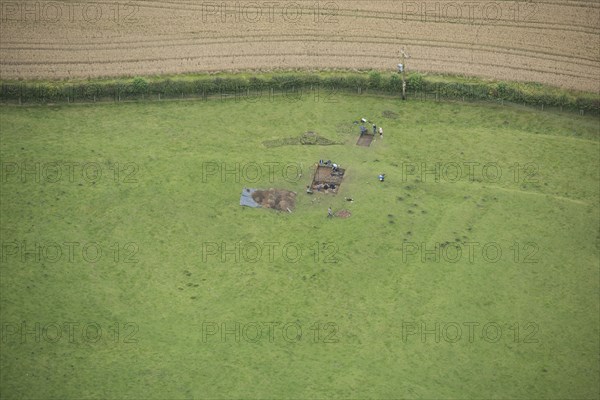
(554, 42)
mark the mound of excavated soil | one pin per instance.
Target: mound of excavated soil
(343, 214)
(277, 199)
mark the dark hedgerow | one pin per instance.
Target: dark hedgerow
(355, 82)
(137, 88)
(414, 82)
(374, 80)
(257, 83)
(285, 82)
(203, 87)
(394, 84)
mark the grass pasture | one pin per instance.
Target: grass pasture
(380, 313)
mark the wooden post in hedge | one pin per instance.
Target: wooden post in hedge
(404, 57)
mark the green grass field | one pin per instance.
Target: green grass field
(159, 256)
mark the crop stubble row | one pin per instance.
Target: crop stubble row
(553, 42)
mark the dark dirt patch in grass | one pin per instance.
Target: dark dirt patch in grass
(277, 199)
(327, 180)
(389, 114)
(306, 139)
(365, 140)
(343, 214)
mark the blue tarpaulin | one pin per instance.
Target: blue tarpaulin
(247, 200)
